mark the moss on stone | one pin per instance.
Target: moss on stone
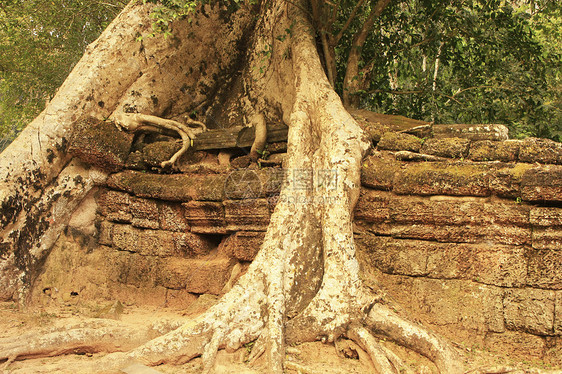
(487, 150)
(393, 141)
(506, 179)
(438, 178)
(100, 143)
(378, 171)
(175, 187)
(544, 151)
(446, 147)
(154, 154)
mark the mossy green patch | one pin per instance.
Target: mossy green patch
(487, 150)
(378, 171)
(394, 141)
(438, 178)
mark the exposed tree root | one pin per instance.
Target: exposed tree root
(221, 328)
(90, 336)
(143, 122)
(384, 321)
(381, 361)
(260, 137)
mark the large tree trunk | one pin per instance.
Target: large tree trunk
(304, 284)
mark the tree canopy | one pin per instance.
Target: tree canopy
(40, 42)
(468, 62)
(486, 61)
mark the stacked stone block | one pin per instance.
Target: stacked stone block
(460, 226)
(470, 239)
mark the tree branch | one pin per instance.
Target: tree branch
(328, 58)
(436, 69)
(327, 44)
(368, 25)
(351, 80)
(334, 15)
(348, 21)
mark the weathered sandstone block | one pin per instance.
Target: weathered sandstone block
(548, 238)
(457, 211)
(487, 150)
(145, 213)
(379, 171)
(472, 132)
(439, 178)
(542, 183)
(446, 147)
(115, 206)
(459, 303)
(416, 157)
(135, 269)
(376, 124)
(530, 310)
(373, 206)
(159, 242)
(517, 344)
(251, 214)
(100, 144)
(172, 217)
(170, 187)
(499, 265)
(198, 276)
(244, 245)
(544, 151)
(545, 216)
(205, 217)
(105, 233)
(395, 141)
(505, 180)
(544, 269)
(501, 234)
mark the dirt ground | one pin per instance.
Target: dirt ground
(308, 358)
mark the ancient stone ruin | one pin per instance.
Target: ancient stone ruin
(458, 224)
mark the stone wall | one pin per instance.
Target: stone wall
(464, 232)
(467, 235)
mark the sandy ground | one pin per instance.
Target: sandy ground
(309, 358)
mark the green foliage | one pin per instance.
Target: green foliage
(497, 63)
(40, 42)
(166, 11)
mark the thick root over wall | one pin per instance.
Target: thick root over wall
(304, 284)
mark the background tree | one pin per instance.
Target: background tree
(40, 42)
(413, 59)
(454, 62)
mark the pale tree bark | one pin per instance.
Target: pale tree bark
(304, 284)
